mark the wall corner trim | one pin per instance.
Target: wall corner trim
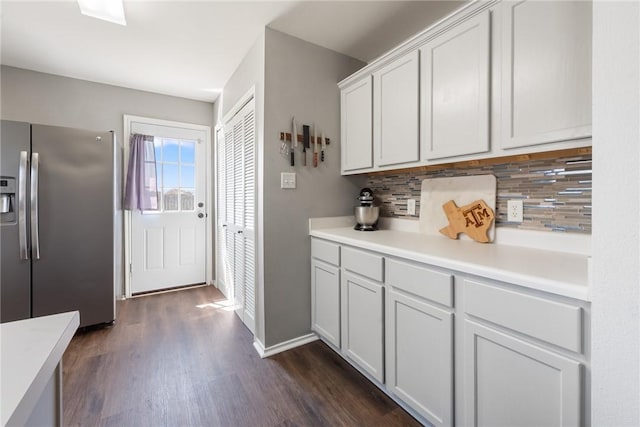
(283, 346)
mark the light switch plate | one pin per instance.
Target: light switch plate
(288, 180)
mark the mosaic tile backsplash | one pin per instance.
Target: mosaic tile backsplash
(556, 193)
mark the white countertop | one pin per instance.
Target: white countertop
(559, 273)
(31, 350)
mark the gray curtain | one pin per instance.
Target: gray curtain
(141, 190)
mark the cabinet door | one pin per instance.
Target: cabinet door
(395, 108)
(362, 327)
(508, 382)
(454, 80)
(546, 72)
(357, 142)
(419, 356)
(325, 301)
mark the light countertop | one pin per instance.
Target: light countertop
(560, 273)
(31, 350)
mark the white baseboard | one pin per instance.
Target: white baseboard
(283, 346)
(221, 287)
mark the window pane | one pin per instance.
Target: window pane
(170, 175)
(188, 199)
(170, 199)
(170, 151)
(188, 152)
(157, 143)
(159, 175)
(187, 176)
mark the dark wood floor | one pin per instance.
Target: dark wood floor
(180, 359)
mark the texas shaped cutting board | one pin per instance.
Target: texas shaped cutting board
(462, 190)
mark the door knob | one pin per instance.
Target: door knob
(200, 215)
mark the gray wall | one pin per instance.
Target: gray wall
(615, 291)
(47, 99)
(300, 79)
(250, 73)
(291, 77)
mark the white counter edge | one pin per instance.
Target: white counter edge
(556, 287)
(573, 243)
(17, 411)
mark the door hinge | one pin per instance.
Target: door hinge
(130, 268)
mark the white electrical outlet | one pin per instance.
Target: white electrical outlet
(514, 210)
(411, 207)
(287, 180)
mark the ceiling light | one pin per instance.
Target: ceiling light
(108, 10)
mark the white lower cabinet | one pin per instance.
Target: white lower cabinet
(325, 294)
(510, 382)
(522, 357)
(419, 356)
(362, 312)
(453, 349)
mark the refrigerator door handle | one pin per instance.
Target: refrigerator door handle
(35, 237)
(22, 205)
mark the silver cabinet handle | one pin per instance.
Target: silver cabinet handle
(35, 237)
(22, 204)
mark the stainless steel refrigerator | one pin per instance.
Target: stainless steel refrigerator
(56, 222)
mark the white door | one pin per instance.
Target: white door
(168, 246)
(235, 219)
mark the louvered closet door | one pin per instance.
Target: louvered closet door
(236, 178)
(238, 195)
(249, 207)
(228, 167)
(221, 213)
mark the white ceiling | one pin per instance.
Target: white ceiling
(191, 48)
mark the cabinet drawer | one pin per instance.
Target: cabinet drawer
(325, 251)
(421, 281)
(364, 263)
(554, 322)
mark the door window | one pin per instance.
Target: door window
(175, 159)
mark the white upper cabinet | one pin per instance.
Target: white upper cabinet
(494, 79)
(546, 72)
(396, 111)
(454, 80)
(357, 142)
